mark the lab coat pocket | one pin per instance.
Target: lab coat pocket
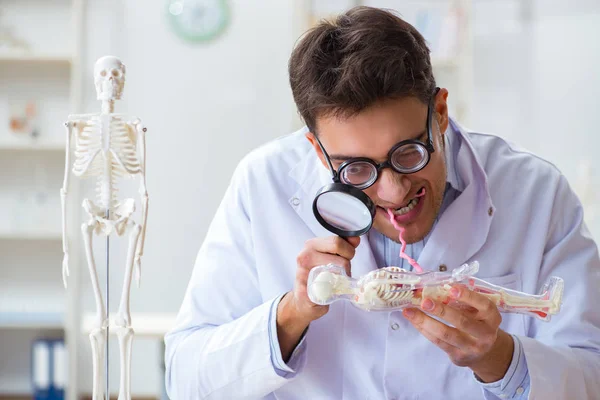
(509, 281)
(511, 322)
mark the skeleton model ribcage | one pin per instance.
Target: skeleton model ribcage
(106, 150)
(382, 289)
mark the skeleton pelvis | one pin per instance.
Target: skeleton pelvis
(118, 217)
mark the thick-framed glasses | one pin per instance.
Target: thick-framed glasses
(406, 157)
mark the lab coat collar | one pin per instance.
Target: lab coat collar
(460, 232)
(464, 226)
(451, 149)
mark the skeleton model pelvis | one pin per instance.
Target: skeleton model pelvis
(393, 288)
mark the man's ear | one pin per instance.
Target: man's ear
(313, 140)
(441, 109)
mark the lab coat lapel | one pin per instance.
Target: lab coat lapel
(463, 228)
(311, 175)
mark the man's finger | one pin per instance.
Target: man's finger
(447, 347)
(441, 332)
(333, 245)
(310, 259)
(487, 310)
(354, 240)
(461, 320)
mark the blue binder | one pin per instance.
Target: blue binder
(49, 369)
(59, 370)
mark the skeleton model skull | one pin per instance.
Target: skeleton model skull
(108, 146)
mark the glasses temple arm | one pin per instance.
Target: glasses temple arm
(429, 118)
(333, 172)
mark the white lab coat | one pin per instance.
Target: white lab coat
(517, 216)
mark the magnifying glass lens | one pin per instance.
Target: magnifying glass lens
(344, 210)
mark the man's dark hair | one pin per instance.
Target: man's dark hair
(365, 55)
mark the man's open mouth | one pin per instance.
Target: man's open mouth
(411, 204)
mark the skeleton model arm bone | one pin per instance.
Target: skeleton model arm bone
(63, 198)
(393, 288)
(73, 123)
(141, 140)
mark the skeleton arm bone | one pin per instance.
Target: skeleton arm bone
(63, 197)
(141, 133)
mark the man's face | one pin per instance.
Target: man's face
(372, 133)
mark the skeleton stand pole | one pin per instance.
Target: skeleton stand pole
(107, 310)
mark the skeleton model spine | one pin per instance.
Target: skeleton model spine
(108, 147)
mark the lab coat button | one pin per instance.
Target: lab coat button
(443, 268)
(295, 201)
(395, 326)
(520, 390)
(490, 211)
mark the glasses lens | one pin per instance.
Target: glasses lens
(358, 174)
(410, 157)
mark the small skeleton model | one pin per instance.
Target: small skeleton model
(394, 288)
(107, 147)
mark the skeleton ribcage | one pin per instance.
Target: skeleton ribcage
(389, 292)
(106, 153)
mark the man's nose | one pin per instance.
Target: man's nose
(391, 186)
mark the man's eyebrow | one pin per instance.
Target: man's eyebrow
(343, 157)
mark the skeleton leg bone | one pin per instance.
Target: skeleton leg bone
(98, 334)
(123, 317)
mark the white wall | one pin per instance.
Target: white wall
(536, 80)
(205, 107)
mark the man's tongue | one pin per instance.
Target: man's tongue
(400, 230)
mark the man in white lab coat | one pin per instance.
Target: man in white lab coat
(247, 330)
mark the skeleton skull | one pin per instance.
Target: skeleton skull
(109, 78)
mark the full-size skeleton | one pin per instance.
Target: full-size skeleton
(108, 146)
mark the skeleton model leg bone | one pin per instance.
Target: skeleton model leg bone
(99, 331)
(123, 318)
(106, 148)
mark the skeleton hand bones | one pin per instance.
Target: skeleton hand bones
(393, 288)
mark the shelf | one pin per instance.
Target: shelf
(15, 387)
(30, 235)
(31, 320)
(31, 146)
(22, 56)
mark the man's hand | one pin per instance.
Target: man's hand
(475, 341)
(296, 311)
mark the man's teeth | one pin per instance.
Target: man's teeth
(410, 206)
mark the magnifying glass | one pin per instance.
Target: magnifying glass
(344, 210)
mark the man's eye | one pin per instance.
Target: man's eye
(355, 169)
